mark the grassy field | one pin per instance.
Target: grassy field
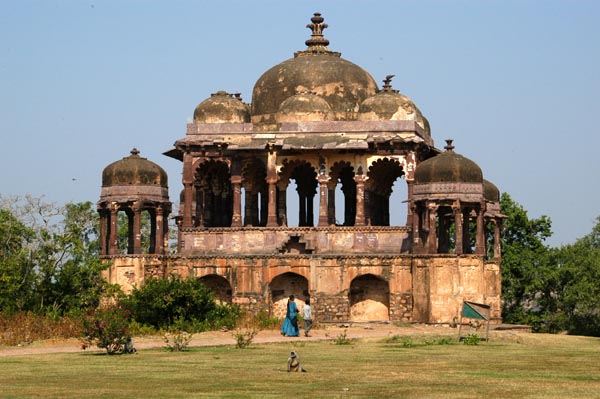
(510, 366)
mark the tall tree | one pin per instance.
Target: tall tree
(525, 263)
(49, 257)
(578, 290)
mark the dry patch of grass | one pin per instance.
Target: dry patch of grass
(25, 328)
(510, 366)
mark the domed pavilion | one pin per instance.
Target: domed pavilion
(323, 186)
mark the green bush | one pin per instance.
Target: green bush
(244, 337)
(107, 328)
(177, 341)
(265, 321)
(471, 339)
(343, 339)
(183, 304)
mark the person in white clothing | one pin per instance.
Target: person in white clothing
(307, 316)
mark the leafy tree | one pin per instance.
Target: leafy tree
(16, 274)
(525, 264)
(578, 291)
(49, 256)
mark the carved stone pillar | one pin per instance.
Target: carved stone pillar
(188, 180)
(113, 247)
(410, 212)
(137, 228)
(236, 218)
(432, 239)
(272, 206)
(360, 200)
(159, 241)
(323, 192)
(103, 232)
(458, 228)
(480, 238)
(416, 234)
(497, 244)
(331, 204)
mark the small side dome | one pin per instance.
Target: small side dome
(222, 107)
(303, 107)
(390, 104)
(490, 191)
(448, 167)
(134, 170)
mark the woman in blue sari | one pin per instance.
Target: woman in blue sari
(290, 324)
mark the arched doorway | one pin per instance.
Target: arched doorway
(369, 298)
(219, 286)
(284, 285)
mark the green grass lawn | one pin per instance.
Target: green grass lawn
(529, 366)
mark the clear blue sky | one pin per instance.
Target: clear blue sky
(515, 83)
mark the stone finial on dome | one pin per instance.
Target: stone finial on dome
(449, 147)
(317, 42)
(135, 152)
(387, 84)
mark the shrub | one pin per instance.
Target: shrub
(223, 316)
(471, 339)
(162, 303)
(343, 339)
(266, 321)
(107, 328)
(244, 337)
(177, 341)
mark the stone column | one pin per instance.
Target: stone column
(159, 235)
(137, 228)
(272, 206)
(236, 218)
(432, 239)
(497, 242)
(480, 238)
(103, 230)
(360, 200)
(323, 192)
(416, 233)
(113, 247)
(410, 212)
(188, 180)
(331, 204)
(458, 228)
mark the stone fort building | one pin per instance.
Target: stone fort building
(292, 194)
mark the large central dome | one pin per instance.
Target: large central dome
(317, 70)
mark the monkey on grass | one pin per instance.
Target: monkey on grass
(294, 363)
